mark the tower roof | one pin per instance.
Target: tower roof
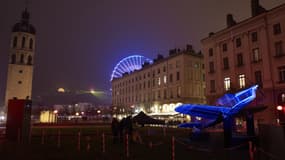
(24, 25)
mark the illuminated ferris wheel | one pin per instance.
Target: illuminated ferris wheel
(129, 64)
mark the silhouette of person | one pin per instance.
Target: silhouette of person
(115, 129)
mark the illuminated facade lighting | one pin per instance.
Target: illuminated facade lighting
(159, 87)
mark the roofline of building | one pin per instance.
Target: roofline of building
(243, 22)
(183, 52)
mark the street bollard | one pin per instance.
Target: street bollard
(173, 148)
(58, 138)
(103, 143)
(79, 141)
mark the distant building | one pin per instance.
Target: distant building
(246, 53)
(159, 87)
(21, 60)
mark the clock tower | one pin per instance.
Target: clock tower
(21, 60)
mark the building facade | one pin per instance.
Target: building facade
(246, 53)
(159, 87)
(21, 60)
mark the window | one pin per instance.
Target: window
(238, 42)
(276, 28)
(164, 79)
(13, 59)
(20, 71)
(15, 42)
(226, 63)
(211, 67)
(23, 42)
(164, 69)
(170, 78)
(19, 82)
(177, 76)
(281, 74)
(159, 81)
(164, 94)
(258, 78)
(158, 71)
(212, 86)
(177, 64)
(254, 37)
(241, 80)
(31, 43)
(239, 59)
(210, 52)
(153, 82)
(22, 58)
(278, 48)
(255, 55)
(225, 47)
(283, 97)
(227, 83)
(178, 91)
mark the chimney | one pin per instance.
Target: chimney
(189, 48)
(230, 20)
(256, 9)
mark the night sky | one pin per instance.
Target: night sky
(78, 42)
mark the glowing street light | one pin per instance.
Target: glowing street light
(77, 114)
(279, 108)
(92, 91)
(55, 111)
(61, 90)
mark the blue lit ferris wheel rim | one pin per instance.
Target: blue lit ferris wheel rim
(129, 64)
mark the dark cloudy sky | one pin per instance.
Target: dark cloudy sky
(80, 41)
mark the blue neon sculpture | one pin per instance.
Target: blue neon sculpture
(228, 105)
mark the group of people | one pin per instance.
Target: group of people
(122, 128)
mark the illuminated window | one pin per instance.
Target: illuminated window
(227, 83)
(241, 79)
(164, 79)
(178, 91)
(258, 78)
(159, 81)
(256, 55)
(283, 97)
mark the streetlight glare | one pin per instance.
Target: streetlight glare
(60, 90)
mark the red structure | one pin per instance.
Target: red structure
(18, 119)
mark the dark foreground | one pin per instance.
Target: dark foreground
(65, 143)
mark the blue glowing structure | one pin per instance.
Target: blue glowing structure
(129, 64)
(228, 105)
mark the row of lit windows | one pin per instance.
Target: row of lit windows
(23, 42)
(241, 82)
(158, 95)
(144, 85)
(155, 81)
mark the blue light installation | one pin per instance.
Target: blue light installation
(229, 105)
(129, 64)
